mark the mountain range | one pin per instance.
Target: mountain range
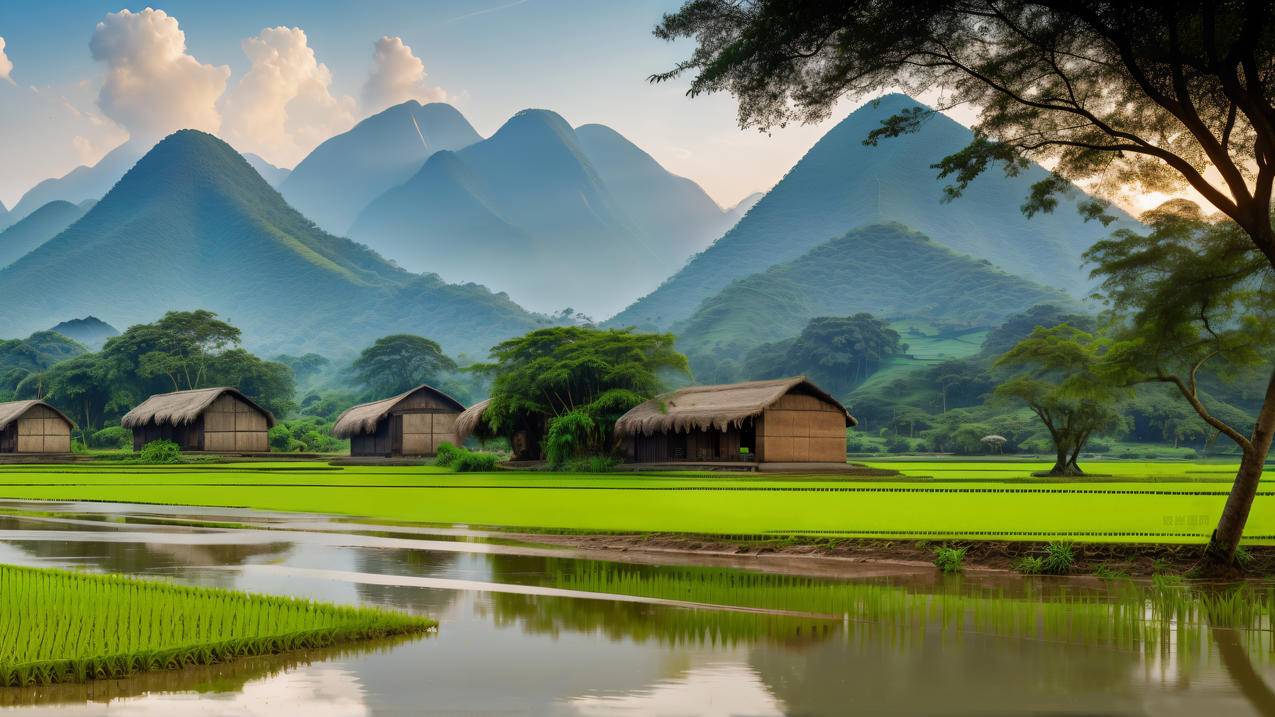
(38, 227)
(547, 213)
(193, 225)
(81, 183)
(90, 331)
(340, 176)
(841, 183)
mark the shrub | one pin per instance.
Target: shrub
(476, 462)
(447, 454)
(1058, 559)
(111, 437)
(161, 451)
(591, 464)
(949, 560)
(569, 435)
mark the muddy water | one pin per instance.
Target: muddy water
(535, 630)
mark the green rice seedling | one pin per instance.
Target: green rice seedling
(1059, 558)
(949, 560)
(60, 626)
(1030, 565)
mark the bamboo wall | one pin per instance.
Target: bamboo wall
(39, 430)
(416, 426)
(802, 429)
(228, 425)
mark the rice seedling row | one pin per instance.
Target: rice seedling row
(61, 626)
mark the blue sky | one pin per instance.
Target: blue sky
(586, 60)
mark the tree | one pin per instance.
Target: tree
(1191, 296)
(586, 378)
(1059, 377)
(1130, 97)
(82, 386)
(394, 364)
(837, 352)
(179, 347)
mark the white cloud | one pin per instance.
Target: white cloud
(6, 66)
(397, 76)
(283, 106)
(152, 86)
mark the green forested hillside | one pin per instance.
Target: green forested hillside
(35, 229)
(842, 184)
(192, 225)
(885, 269)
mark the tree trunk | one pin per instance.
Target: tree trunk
(1065, 464)
(1230, 527)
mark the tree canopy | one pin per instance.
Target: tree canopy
(1057, 374)
(836, 352)
(586, 377)
(398, 363)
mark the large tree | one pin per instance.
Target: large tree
(394, 364)
(1124, 96)
(839, 352)
(1058, 373)
(573, 382)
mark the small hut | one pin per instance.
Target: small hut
(34, 427)
(409, 424)
(219, 420)
(524, 435)
(787, 420)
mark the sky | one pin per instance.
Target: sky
(276, 77)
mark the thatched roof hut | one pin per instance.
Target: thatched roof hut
(206, 419)
(34, 427)
(780, 420)
(412, 423)
(469, 422)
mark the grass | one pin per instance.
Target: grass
(59, 626)
(949, 560)
(1169, 502)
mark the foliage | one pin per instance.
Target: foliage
(949, 560)
(304, 435)
(160, 452)
(181, 351)
(23, 358)
(304, 367)
(446, 454)
(595, 373)
(569, 435)
(1057, 558)
(398, 363)
(65, 630)
(836, 352)
(873, 268)
(476, 462)
(1059, 377)
(111, 437)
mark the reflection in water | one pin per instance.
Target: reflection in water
(986, 647)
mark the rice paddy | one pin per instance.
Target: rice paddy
(58, 626)
(1132, 501)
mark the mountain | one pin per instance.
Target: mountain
(273, 175)
(4, 216)
(36, 228)
(841, 184)
(887, 270)
(192, 225)
(524, 210)
(676, 217)
(339, 178)
(82, 182)
(737, 212)
(90, 331)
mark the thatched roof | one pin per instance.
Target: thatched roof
(364, 417)
(720, 407)
(182, 407)
(12, 411)
(470, 419)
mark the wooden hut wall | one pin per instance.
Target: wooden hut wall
(232, 425)
(697, 445)
(414, 427)
(801, 428)
(188, 436)
(39, 430)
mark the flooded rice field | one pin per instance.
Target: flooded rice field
(529, 629)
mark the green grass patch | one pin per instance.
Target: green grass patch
(1142, 502)
(59, 626)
